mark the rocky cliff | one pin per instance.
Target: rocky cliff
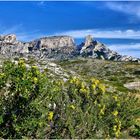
(59, 47)
(95, 49)
(48, 46)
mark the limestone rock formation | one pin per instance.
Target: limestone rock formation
(9, 39)
(9, 45)
(55, 42)
(55, 46)
(95, 49)
(59, 47)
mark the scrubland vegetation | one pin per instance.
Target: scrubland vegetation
(35, 105)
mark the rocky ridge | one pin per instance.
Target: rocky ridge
(95, 49)
(59, 47)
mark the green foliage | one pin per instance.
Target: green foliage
(34, 106)
(136, 131)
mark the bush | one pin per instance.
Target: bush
(34, 106)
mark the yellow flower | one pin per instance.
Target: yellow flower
(102, 111)
(34, 67)
(77, 82)
(82, 85)
(72, 107)
(115, 113)
(96, 82)
(115, 98)
(35, 80)
(117, 133)
(118, 104)
(2, 74)
(93, 86)
(50, 116)
(82, 90)
(102, 87)
(116, 120)
(21, 61)
(95, 102)
(115, 127)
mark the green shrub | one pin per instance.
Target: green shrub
(135, 131)
(34, 106)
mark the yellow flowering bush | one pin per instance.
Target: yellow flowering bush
(50, 116)
(35, 107)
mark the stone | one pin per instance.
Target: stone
(55, 42)
(10, 38)
(95, 49)
(88, 40)
(59, 47)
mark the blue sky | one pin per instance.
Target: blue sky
(117, 24)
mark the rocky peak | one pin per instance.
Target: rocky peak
(88, 40)
(95, 49)
(10, 38)
(55, 42)
(59, 47)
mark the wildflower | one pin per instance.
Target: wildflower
(102, 110)
(21, 63)
(34, 67)
(72, 107)
(117, 133)
(118, 104)
(114, 128)
(102, 87)
(96, 82)
(73, 80)
(50, 116)
(115, 98)
(115, 113)
(2, 75)
(82, 85)
(77, 82)
(116, 120)
(35, 80)
(93, 86)
(95, 102)
(83, 90)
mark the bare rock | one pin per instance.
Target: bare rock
(95, 49)
(9, 39)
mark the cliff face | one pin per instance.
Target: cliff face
(95, 49)
(56, 44)
(59, 47)
(9, 45)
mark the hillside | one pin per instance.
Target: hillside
(51, 89)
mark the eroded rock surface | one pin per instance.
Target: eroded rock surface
(95, 49)
(59, 47)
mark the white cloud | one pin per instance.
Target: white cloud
(123, 34)
(127, 49)
(131, 8)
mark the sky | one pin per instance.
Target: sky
(116, 24)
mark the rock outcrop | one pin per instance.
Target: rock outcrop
(9, 45)
(55, 42)
(59, 47)
(9, 39)
(95, 49)
(48, 46)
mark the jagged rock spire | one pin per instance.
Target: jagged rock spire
(89, 40)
